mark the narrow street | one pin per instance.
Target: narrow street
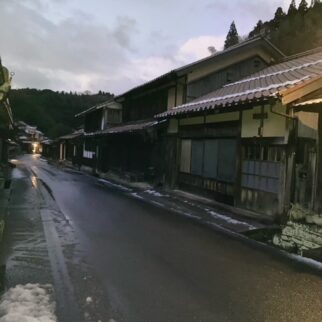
(114, 257)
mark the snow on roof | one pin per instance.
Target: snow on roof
(310, 102)
(250, 91)
(276, 73)
(259, 87)
(127, 127)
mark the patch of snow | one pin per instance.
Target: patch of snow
(154, 193)
(191, 216)
(18, 174)
(159, 204)
(89, 300)
(110, 183)
(135, 194)
(184, 213)
(230, 220)
(310, 102)
(28, 303)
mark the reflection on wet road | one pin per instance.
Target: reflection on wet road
(155, 266)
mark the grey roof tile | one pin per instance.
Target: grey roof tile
(259, 86)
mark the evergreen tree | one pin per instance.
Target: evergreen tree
(303, 7)
(278, 17)
(232, 36)
(257, 30)
(279, 14)
(292, 9)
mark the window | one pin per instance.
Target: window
(185, 160)
(257, 63)
(111, 116)
(261, 170)
(229, 76)
(197, 157)
(212, 158)
(227, 159)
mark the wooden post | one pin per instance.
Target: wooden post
(318, 203)
(238, 164)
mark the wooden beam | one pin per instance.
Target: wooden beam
(297, 92)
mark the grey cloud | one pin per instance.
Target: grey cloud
(23, 75)
(253, 8)
(75, 45)
(125, 28)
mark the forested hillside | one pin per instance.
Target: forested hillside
(297, 30)
(52, 112)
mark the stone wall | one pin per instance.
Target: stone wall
(302, 232)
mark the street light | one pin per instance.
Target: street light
(35, 147)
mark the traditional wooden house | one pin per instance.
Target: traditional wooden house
(71, 147)
(139, 144)
(96, 120)
(250, 143)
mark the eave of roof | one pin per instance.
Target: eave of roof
(71, 135)
(127, 127)
(95, 107)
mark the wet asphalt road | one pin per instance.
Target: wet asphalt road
(153, 265)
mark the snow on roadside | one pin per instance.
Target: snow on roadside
(28, 303)
(154, 193)
(229, 219)
(110, 183)
(136, 195)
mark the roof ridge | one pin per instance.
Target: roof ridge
(302, 54)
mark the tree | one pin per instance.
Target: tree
(232, 36)
(303, 7)
(315, 3)
(257, 30)
(279, 14)
(292, 9)
(278, 17)
(212, 50)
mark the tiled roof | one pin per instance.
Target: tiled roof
(126, 127)
(73, 135)
(96, 107)
(261, 86)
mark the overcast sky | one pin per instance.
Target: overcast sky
(113, 45)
